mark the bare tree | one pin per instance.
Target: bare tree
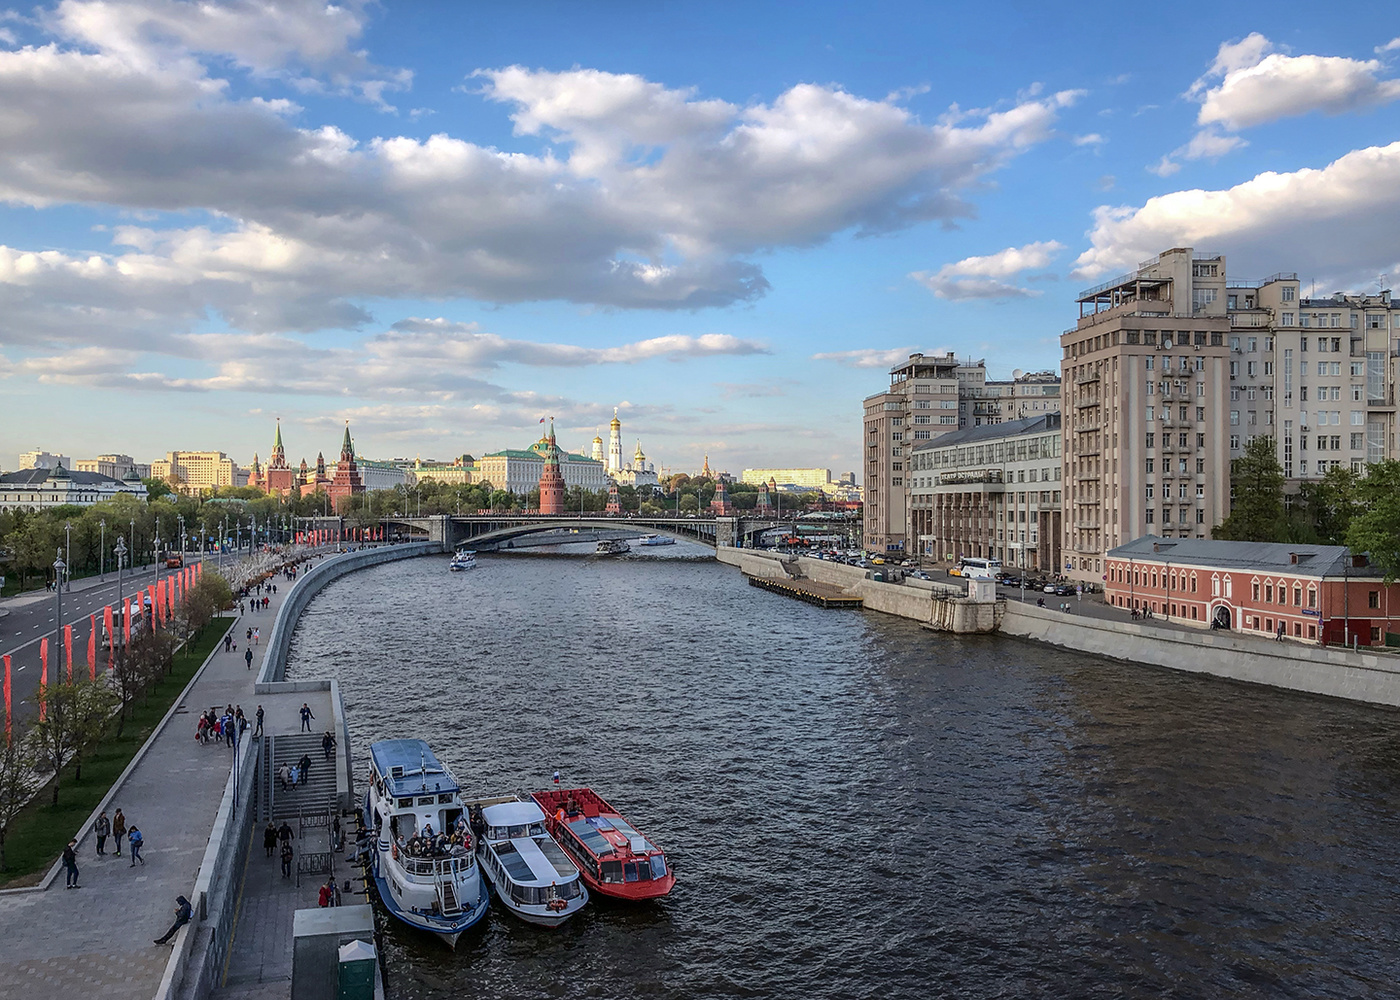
(18, 782)
(57, 738)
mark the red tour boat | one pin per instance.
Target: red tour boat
(613, 858)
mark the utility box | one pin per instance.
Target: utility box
(982, 591)
(317, 937)
(358, 968)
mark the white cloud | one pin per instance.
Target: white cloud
(1092, 139)
(1391, 46)
(1336, 223)
(870, 357)
(1210, 145)
(985, 277)
(646, 197)
(1251, 84)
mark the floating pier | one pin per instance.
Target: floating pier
(824, 595)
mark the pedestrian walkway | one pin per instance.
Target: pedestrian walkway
(97, 940)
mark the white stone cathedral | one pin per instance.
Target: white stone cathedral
(638, 472)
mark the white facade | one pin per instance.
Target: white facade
(519, 471)
(116, 466)
(40, 489)
(39, 459)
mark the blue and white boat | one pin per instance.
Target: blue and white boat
(657, 540)
(423, 863)
(462, 559)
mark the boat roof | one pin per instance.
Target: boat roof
(410, 767)
(534, 861)
(512, 814)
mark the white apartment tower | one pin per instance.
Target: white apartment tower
(1146, 401)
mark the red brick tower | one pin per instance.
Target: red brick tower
(551, 479)
(721, 505)
(346, 481)
(614, 501)
(279, 477)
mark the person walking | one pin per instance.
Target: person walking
(183, 912)
(118, 830)
(304, 767)
(103, 829)
(135, 839)
(70, 865)
(306, 717)
(327, 744)
(286, 859)
(270, 838)
(258, 730)
(248, 657)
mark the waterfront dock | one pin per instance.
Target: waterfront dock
(823, 595)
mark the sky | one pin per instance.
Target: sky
(443, 222)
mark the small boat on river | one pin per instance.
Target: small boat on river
(657, 540)
(532, 876)
(424, 878)
(615, 859)
(462, 559)
(612, 547)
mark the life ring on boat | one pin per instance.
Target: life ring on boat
(557, 904)
(394, 850)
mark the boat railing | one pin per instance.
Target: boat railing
(435, 868)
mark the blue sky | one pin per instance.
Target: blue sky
(443, 221)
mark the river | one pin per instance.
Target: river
(857, 807)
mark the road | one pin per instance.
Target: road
(31, 617)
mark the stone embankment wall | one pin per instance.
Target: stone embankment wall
(1366, 677)
(939, 606)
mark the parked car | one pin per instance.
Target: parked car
(919, 574)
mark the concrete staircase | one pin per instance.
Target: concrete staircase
(314, 795)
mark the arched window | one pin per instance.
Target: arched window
(1215, 585)
(1193, 583)
(1312, 596)
(1228, 588)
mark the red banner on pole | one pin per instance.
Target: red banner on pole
(92, 647)
(68, 649)
(9, 728)
(111, 639)
(43, 676)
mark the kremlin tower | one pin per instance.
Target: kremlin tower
(614, 500)
(318, 479)
(551, 479)
(705, 473)
(279, 478)
(721, 505)
(615, 444)
(765, 501)
(347, 480)
(255, 478)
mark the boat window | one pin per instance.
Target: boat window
(516, 831)
(631, 869)
(445, 799)
(569, 890)
(405, 803)
(537, 829)
(658, 866)
(427, 800)
(592, 839)
(514, 864)
(556, 857)
(612, 871)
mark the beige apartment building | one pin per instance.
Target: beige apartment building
(1316, 374)
(930, 396)
(817, 479)
(193, 471)
(992, 492)
(1146, 410)
(115, 466)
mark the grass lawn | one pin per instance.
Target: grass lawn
(36, 837)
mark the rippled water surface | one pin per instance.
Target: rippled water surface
(857, 807)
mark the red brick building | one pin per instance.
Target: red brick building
(551, 478)
(1313, 593)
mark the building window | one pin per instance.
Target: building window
(1373, 599)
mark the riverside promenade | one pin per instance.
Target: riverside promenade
(96, 941)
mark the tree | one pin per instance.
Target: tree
(1328, 505)
(58, 736)
(18, 782)
(92, 710)
(1256, 505)
(1375, 527)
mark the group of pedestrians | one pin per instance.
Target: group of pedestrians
(291, 775)
(226, 727)
(283, 835)
(117, 828)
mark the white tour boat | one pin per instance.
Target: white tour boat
(531, 874)
(423, 863)
(657, 540)
(462, 559)
(612, 547)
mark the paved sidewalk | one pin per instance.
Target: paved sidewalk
(97, 941)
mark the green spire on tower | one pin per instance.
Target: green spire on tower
(347, 448)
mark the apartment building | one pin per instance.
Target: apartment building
(1146, 410)
(1023, 395)
(1315, 374)
(114, 466)
(921, 404)
(40, 459)
(992, 491)
(817, 479)
(193, 471)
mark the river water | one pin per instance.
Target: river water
(857, 807)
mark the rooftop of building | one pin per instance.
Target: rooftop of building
(1265, 557)
(534, 456)
(36, 477)
(1043, 424)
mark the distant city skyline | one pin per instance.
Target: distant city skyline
(442, 222)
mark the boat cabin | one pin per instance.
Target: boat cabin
(415, 790)
(523, 856)
(600, 840)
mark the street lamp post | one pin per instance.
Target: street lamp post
(155, 551)
(102, 550)
(58, 570)
(120, 552)
(68, 543)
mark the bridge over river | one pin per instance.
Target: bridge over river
(485, 530)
